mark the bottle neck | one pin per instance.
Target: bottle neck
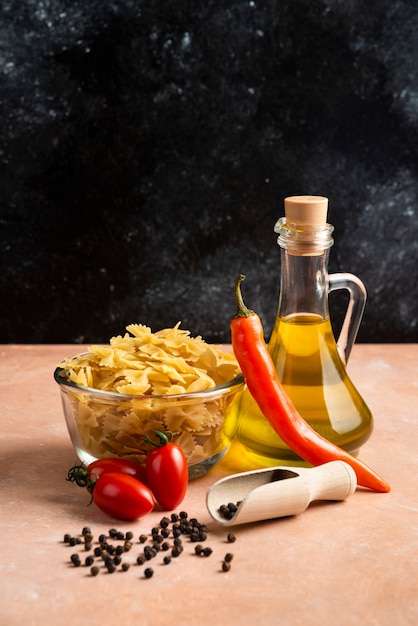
(304, 285)
(304, 269)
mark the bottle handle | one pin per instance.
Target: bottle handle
(355, 310)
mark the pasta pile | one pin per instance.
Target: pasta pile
(166, 363)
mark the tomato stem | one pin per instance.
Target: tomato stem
(164, 438)
(82, 477)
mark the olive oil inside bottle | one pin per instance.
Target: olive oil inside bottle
(312, 372)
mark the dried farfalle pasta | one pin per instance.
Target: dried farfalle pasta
(160, 367)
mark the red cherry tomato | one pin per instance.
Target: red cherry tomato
(122, 496)
(167, 473)
(124, 466)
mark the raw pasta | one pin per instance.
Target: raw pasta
(160, 367)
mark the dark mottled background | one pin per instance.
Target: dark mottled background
(146, 147)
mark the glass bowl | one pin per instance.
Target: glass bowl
(111, 424)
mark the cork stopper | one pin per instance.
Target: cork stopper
(305, 231)
(308, 210)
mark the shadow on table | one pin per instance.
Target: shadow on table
(38, 472)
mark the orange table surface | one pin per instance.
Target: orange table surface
(347, 563)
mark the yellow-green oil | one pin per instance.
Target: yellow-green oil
(305, 353)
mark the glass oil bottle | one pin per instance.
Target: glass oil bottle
(310, 363)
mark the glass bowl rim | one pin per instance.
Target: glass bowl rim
(204, 394)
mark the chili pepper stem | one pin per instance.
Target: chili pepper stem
(242, 310)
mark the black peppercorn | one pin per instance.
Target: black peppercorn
(148, 572)
(74, 541)
(164, 522)
(176, 551)
(207, 551)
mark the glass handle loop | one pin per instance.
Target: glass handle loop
(355, 310)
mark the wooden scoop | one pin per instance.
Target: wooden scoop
(279, 491)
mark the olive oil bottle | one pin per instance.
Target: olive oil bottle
(311, 364)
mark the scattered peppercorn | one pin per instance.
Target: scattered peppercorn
(171, 534)
(73, 541)
(207, 551)
(176, 551)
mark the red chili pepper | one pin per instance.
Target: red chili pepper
(264, 385)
